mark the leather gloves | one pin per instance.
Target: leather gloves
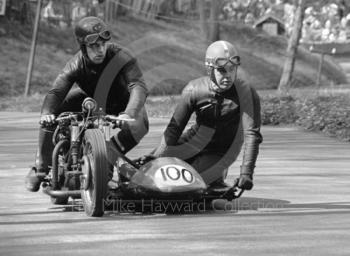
(246, 178)
(245, 182)
(144, 159)
(47, 119)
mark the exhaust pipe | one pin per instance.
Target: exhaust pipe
(61, 193)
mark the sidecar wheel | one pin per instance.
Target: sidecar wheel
(94, 185)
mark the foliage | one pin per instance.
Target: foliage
(278, 110)
(161, 106)
(21, 103)
(329, 114)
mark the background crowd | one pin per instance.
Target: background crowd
(325, 20)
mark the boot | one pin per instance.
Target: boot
(34, 179)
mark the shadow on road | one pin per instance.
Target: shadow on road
(251, 206)
(252, 203)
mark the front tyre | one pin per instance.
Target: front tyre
(95, 173)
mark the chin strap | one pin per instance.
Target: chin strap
(84, 52)
(213, 79)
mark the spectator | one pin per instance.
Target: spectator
(78, 11)
(48, 15)
(249, 19)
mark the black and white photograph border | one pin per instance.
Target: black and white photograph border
(300, 201)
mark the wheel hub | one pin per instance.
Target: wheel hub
(86, 169)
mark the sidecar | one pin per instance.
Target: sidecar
(80, 169)
(162, 178)
(163, 184)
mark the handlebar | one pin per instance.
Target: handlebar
(68, 117)
(112, 118)
(117, 121)
(65, 116)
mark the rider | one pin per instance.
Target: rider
(105, 71)
(222, 103)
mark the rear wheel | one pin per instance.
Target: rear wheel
(95, 173)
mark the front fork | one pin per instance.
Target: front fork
(75, 145)
(106, 129)
(111, 155)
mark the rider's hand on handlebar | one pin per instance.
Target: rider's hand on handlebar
(245, 181)
(47, 119)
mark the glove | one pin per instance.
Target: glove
(47, 119)
(144, 159)
(245, 181)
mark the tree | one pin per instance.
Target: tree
(292, 48)
(214, 31)
(203, 18)
(210, 27)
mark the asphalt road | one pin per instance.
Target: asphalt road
(300, 205)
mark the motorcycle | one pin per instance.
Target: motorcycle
(79, 159)
(80, 168)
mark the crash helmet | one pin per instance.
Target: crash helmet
(222, 56)
(221, 53)
(90, 29)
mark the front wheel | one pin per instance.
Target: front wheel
(95, 173)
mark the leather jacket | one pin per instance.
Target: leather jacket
(116, 84)
(217, 123)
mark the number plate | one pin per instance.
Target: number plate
(174, 175)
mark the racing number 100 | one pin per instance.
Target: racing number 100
(174, 173)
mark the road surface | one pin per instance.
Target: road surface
(300, 205)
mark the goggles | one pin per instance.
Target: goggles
(224, 65)
(92, 38)
(222, 62)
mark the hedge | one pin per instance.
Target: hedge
(327, 114)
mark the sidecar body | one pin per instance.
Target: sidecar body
(163, 178)
(164, 184)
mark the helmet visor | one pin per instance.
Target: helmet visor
(92, 38)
